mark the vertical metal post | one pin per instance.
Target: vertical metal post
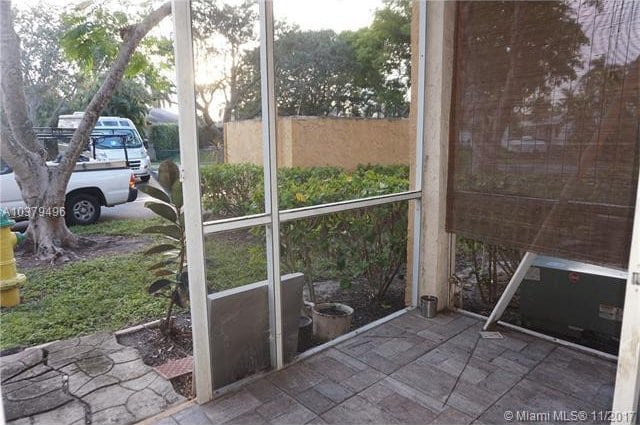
(419, 156)
(191, 191)
(270, 162)
(627, 390)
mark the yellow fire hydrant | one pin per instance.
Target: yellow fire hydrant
(10, 279)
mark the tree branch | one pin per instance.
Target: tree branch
(12, 85)
(11, 151)
(132, 36)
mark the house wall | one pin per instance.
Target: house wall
(314, 141)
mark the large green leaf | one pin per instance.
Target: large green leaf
(171, 230)
(156, 193)
(165, 247)
(172, 254)
(161, 264)
(163, 272)
(176, 194)
(163, 210)
(158, 285)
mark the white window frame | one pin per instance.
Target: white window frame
(271, 219)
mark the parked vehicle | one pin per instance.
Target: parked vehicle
(106, 146)
(526, 144)
(92, 185)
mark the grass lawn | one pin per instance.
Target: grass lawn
(110, 293)
(129, 227)
(233, 262)
(80, 298)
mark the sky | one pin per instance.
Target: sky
(338, 15)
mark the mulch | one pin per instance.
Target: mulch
(366, 309)
(156, 348)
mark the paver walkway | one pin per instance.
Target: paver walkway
(86, 380)
(413, 370)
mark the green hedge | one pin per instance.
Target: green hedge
(228, 189)
(368, 243)
(164, 137)
(233, 190)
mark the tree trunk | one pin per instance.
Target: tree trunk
(47, 235)
(43, 186)
(211, 133)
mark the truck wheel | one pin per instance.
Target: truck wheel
(145, 179)
(82, 208)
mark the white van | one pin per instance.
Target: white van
(106, 148)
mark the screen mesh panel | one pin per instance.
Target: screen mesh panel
(546, 126)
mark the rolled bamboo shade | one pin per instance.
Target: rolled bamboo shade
(546, 127)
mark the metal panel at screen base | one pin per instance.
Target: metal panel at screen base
(239, 327)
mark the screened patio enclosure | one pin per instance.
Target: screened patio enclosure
(490, 102)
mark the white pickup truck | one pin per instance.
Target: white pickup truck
(92, 185)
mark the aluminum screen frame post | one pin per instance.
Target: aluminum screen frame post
(270, 166)
(419, 152)
(190, 175)
(272, 217)
(510, 290)
(627, 389)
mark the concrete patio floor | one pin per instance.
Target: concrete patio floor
(413, 370)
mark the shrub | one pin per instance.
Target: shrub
(400, 171)
(368, 242)
(490, 264)
(165, 140)
(164, 136)
(228, 190)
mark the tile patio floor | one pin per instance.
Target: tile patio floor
(412, 370)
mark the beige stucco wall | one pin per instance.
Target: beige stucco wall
(243, 142)
(347, 142)
(314, 141)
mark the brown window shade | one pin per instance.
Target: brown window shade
(546, 126)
